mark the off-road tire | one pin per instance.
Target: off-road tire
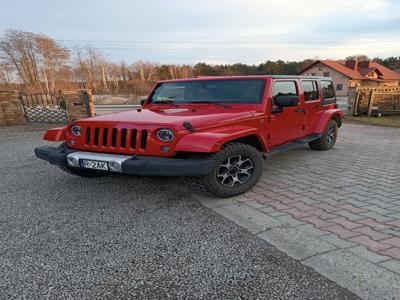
(84, 172)
(327, 141)
(209, 183)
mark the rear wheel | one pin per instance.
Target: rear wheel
(84, 172)
(237, 168)
(328, 139)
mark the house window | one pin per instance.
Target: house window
(310, 90)
(326, 74)
(372, 74)
(313, 74)
(339, 87)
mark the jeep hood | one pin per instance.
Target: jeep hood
(174, 117)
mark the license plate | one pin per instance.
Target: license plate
(93, 164)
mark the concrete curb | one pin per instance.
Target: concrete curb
(330, 256)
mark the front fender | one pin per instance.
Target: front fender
(326, 116)
(55, 134)
(213, 140)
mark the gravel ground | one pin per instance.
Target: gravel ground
(125, 237)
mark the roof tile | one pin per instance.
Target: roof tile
(359, 73)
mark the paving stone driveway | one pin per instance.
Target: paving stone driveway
(337, 211)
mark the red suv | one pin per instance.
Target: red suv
(216, 131)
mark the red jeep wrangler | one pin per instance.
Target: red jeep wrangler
(216, 131)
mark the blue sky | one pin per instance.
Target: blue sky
(214, 31)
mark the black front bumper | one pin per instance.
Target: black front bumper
(138, 165)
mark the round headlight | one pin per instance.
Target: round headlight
(165, 135)
(76, 130)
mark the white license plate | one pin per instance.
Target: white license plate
(93, 164)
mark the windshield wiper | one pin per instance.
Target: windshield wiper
(210, 102)
(172, 102)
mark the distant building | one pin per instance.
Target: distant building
(351, 73)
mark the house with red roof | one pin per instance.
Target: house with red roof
(351, 73)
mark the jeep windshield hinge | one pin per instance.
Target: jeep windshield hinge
(188, 126)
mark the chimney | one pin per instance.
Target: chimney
(351, 64)
(363, 64)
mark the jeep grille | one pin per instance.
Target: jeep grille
(116, 138)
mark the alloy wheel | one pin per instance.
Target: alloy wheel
(235, 170)
(331, 134)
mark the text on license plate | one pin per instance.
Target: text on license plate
(93, 164)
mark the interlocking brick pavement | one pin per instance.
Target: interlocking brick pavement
(352, 190)
(348, 197)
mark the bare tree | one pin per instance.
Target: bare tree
(17, 49)
(53, 59)
(93, 69)
(358, 57)
(7, 75)
(124, 71)
(144, 70)
(34, 58)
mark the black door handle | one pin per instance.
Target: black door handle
(300, 110)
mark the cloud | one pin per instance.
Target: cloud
(283, 29)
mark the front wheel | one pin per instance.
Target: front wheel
(238, 167)
(328, 139)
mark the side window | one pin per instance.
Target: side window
(310, 89)
(326, 74)
(339, 87)
(328, 90)
(284, 88)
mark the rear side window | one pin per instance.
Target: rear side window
(310, 89)
(328, 90)
(284, 88)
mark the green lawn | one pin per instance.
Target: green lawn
(390, 121)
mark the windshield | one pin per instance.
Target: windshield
(232, 91)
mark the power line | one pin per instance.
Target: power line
(234, 49)
(231, 42)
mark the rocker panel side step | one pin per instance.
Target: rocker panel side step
(293, 145)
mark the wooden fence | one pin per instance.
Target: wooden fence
(379, 99)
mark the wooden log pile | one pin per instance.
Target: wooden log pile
(379, 99)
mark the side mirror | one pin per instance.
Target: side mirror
(286, 100)
(142, 102)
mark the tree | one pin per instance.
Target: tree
(358, 57)
(33, 58)
(7, 75)
(203, 69)
(92, 68)
(389, 62)
(52, 59)
(144, 70)
(124, 71)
